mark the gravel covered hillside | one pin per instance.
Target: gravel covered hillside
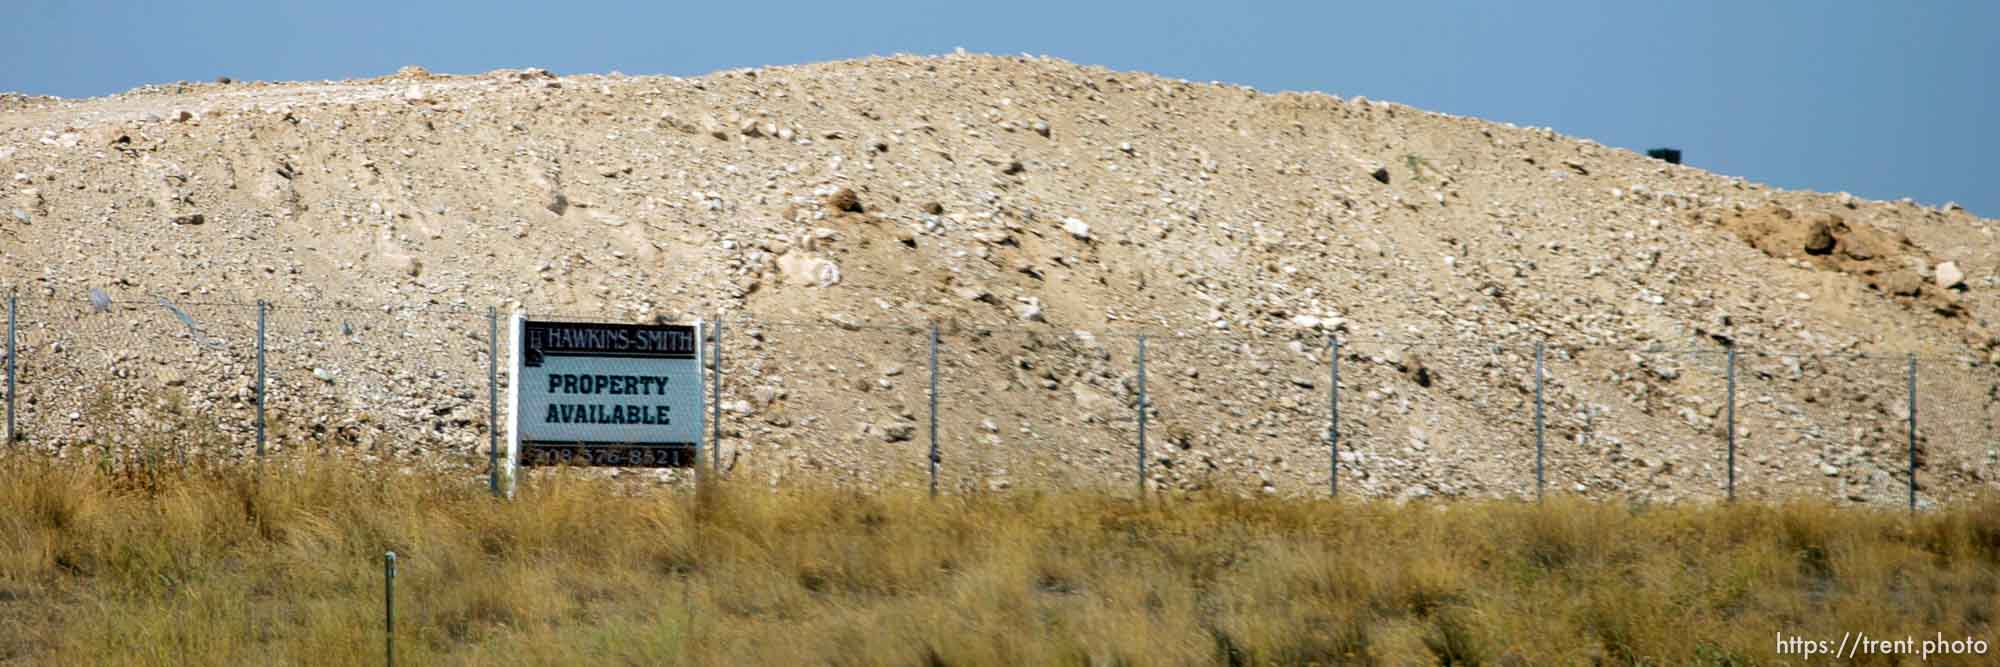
(1044, 214)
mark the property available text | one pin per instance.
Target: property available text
(614, 385)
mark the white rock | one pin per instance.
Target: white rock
(1949, 275)
(1306, 322)
(809, 270)
(1076, 228)
(1032, 311)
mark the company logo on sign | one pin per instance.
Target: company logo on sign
(609, 340)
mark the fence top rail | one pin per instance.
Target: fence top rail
(150, 300)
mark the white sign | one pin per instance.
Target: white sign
(602, 394)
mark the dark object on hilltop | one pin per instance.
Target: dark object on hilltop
(1670, 155)
(1820, 240)
(224, 80)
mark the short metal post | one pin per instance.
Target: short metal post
(12, 435)
(493, 399)
(1538, 421)
(1142, 416)
(261, 308)
(1333, 416)
(715, 398)
(1732, 421)
(1913, 432)
(389, 606)
(934, 402)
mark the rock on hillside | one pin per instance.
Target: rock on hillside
(1043, 213)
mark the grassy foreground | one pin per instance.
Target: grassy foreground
(229, 567)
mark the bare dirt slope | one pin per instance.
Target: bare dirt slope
(1044, 213)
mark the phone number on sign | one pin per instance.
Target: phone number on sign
(637, 456)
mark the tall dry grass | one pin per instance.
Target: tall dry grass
(283, 566)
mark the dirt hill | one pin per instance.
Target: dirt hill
(1045, 214)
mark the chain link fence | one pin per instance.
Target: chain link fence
(396, 387)
(847, 403)
(156, 379)
(963, 409)
(1958, 428)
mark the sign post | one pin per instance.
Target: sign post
(514, 324)
(604, 394)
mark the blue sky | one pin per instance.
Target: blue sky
(1882, 99)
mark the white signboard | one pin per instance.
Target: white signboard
(601, 394)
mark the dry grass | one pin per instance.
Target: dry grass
(233, 567)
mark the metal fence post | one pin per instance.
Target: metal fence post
(12, 435)
(261, 307)
(1333, 416)
(1913, 432)
(389, 606)
(1538, 421)
(493, 399)
(1142, 416)
(934, 401)
(715, 397)
(1732, 421)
